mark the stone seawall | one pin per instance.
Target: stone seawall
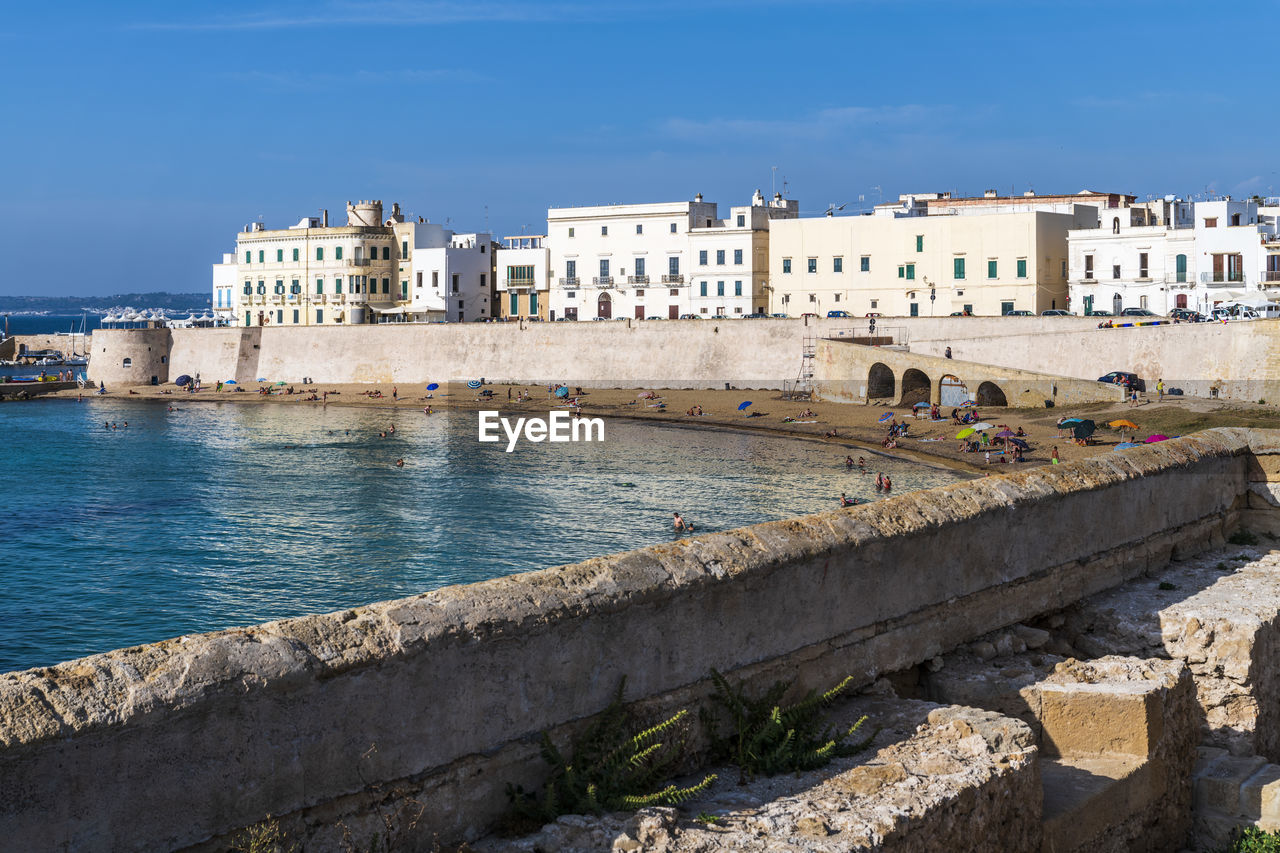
(439, 698)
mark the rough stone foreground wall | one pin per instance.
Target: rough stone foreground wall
(202, 735)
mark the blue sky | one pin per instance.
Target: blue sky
(142, 135)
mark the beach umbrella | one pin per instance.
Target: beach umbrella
(229, 382)
(1017, 442)
(1084, 429)
(743, 405)
(1152, 439)
(1123, 424)
(920, 406)
(1125, 445)
(965, 433)
(433, 386)
(980, 427)
(886, 417)
(1069, 421)
(474, 384)
(967, 404)
(262, 379)
(561, 392)
(282, 382)
(184, 379)
(1005, 433)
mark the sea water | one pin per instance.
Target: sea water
(220, 515)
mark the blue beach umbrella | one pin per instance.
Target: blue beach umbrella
(743, 405)
(182, 380)
(562, 391)
(433, 386)
(230, 382)
(1125, 445)
(886, 417)
(473, 384)
(920, 406)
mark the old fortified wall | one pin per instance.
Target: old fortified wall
(438, 699)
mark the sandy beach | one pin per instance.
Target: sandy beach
(857, 428)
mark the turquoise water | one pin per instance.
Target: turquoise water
(220, 515)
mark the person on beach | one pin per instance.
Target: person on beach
(1160, 390)
(678, 523)
(1053, 457)
(862, 464)
(880, 481)
(847, 501)
(848, 462)
(395, 393)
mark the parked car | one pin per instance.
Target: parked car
(1098, 314)
(690, 317)
(1020, 313)
(809, 314)
(655, 317)
(756, 315)
(1119, 377)
(838, 314)
(1138, 312)
(1055, 312)
(779, 316)
(1186, 315)
(961, 314)
(870, 314)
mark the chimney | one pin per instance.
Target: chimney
(1029, 194)
(698, 198)
(989, 194)
(324, 218)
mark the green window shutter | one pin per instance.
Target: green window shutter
(902, 272)
(248, 257)
(991, 269)
(295, 254)
(919, 242)
(1022, 268)
(533, 303)
(911, 271)
(319, 286)
(515, 303)
(262, 256)
(319, 253)
(957, 265)
(337, 253)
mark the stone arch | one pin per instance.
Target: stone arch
(989, 394)
(880, 381)
(604, 307)
(915, 387)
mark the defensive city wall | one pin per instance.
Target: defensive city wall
(1237, 360)
(432, 704)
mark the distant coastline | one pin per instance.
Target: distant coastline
(76, 305)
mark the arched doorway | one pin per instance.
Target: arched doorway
(604, 307)
(879, 382)
(954, 392)
(915, 387)
(989, 394)
(1116, 304)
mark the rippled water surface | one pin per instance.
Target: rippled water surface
(221, 515)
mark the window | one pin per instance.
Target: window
(515, 303)
(1142, 267)
(1211, 222)
(702, 288)
(319, 316)
(262, 287)
(454, 282)
(1088, 266)
(1064, 267)
(279, 286)
(319, 285)
(604, 230)
(673, 228)
(957, 268)
(533, 303)
(1115, 271)
(720, 257)
(737, 257)
(1006, 308)
(319, 253)
(570, 232)
(875, 303)
(902, 272)
(837, 264)
(386, 285)
(919, 242)
(702, 257)
(1022, 267)
(337, 253)
(911, 272)
(1142, 302)
(337, 284)
(604, 267)
(786, 265)
(967, 309)
(295, 254)
(639, 264)
(386, 252)
(248, 288)
(915, 309)
(865, 263)
(404, 248)
(640, 229)
(1180, 265)
(279, 256)
(482, 278)
(128, 362)
(639, 292)
(811, 265)
(570, 270)
(719, 288)
(737, 288)
(295, 316)
(673, 265)
(295, 287)
(992, 267)
(742, 220)
(262, 256)
(247, 256)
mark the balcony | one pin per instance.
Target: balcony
(602, 281)
(523, 283)
(673, 279)
(359, 262)
(637, 279)
(1216, 277)
(1271, 275)
(571, 281)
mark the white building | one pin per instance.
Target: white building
(1176, 254)
(224, 282)
(523, 276)
(663, 260)
(443, 275)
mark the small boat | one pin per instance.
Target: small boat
(77, 360)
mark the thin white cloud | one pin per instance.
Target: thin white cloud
(823, 123)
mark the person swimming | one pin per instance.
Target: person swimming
(847, 501)
(677, 523)
(399, 463)
(880, 479)
(862, 463)
(888, 484)
(848, 462)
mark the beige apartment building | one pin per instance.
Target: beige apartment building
(989, 262)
